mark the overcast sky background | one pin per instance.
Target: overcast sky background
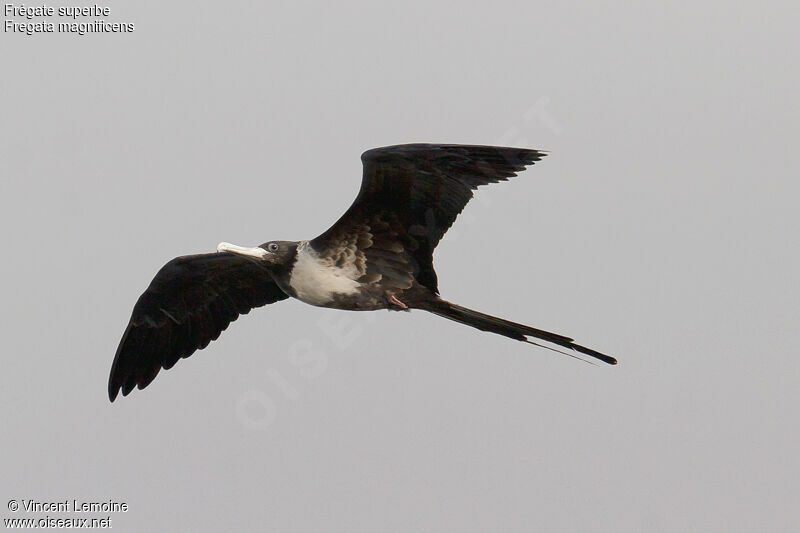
(662, 229)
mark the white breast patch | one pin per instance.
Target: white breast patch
(317, 280)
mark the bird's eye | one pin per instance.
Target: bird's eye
(272, 247)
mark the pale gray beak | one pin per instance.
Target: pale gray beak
(255, 253)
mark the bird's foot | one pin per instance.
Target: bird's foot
(394, 301)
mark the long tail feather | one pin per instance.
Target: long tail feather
(507, 328)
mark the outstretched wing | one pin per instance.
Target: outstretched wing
(188, 304)
(410, 196)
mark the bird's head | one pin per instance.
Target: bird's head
(272, 253)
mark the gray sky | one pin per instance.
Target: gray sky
(662, 230)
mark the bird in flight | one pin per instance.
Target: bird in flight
(378, 255)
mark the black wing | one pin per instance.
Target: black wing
(410, 196)
(188, 304)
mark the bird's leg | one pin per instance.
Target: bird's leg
(394, 301)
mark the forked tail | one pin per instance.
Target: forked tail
(507, 328)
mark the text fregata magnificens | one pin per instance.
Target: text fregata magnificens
(378, 255)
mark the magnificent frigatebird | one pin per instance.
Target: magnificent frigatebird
(378, 255)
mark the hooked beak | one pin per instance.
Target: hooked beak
(255, 253)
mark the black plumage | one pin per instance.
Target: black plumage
(418, 190)
(378, 255)
(188, 304)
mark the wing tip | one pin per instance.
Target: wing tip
(373, 153)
